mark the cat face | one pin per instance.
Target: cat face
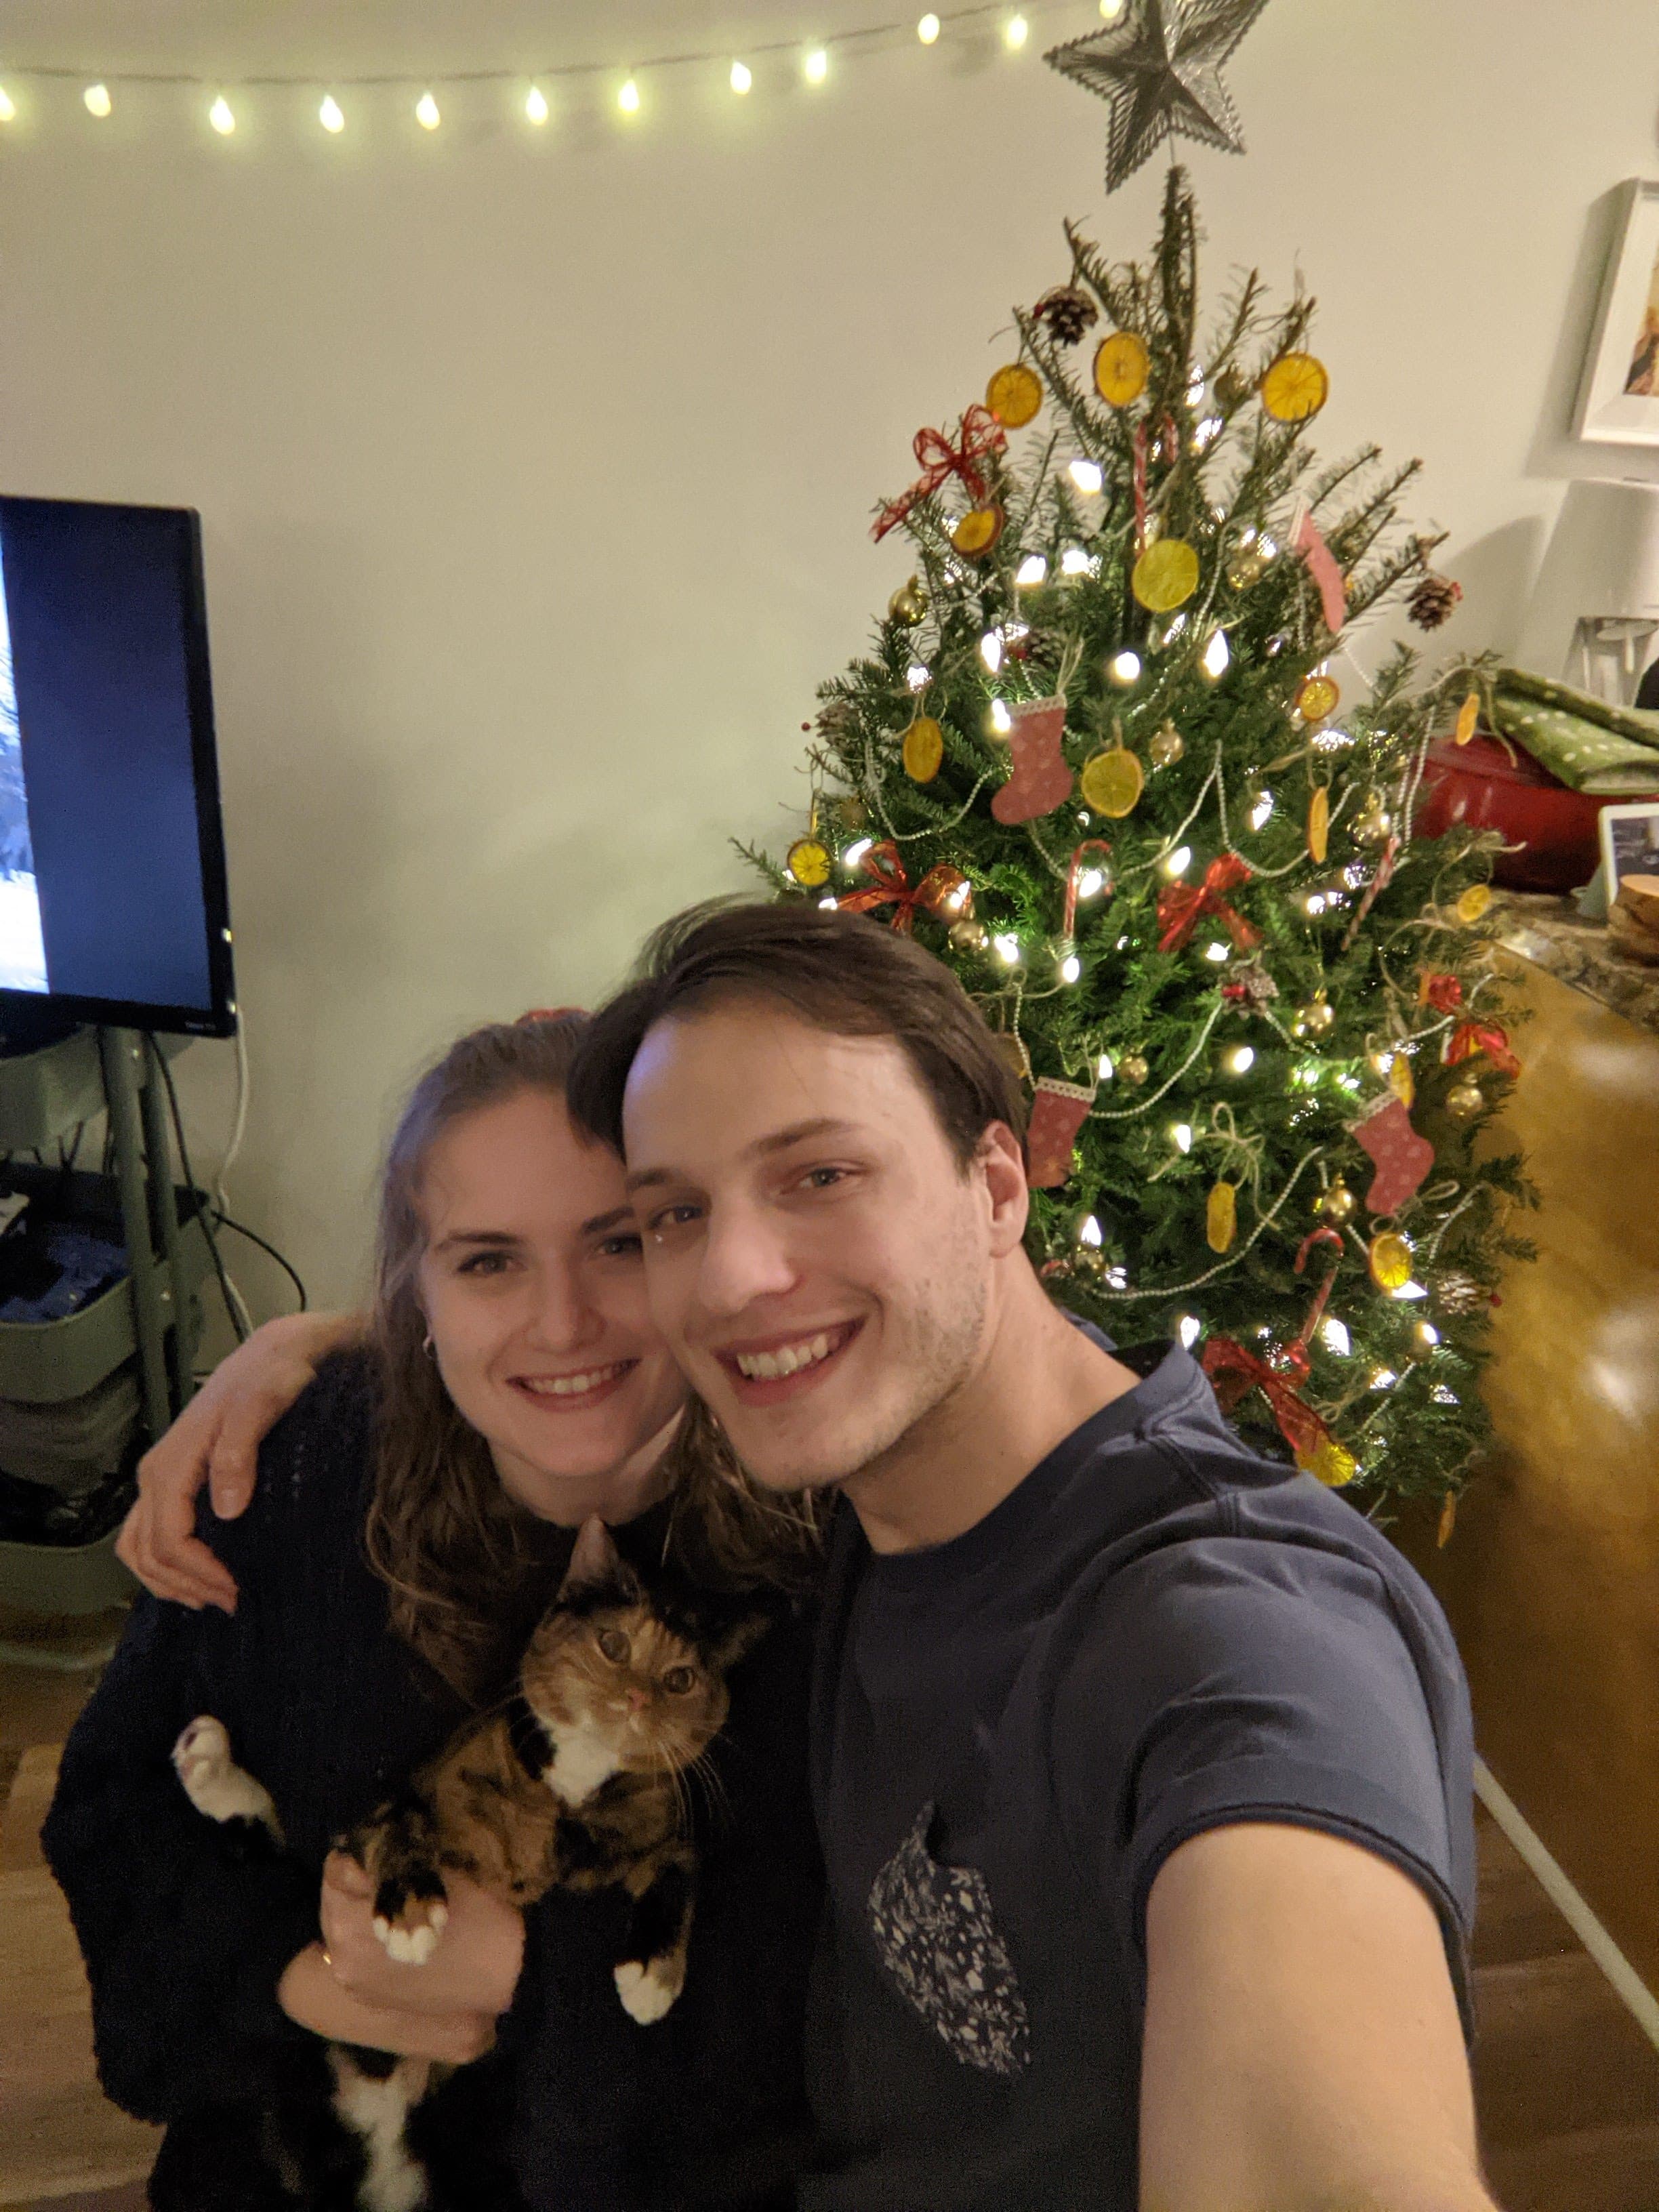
(641, 1680)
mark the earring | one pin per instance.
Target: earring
(426, 1344)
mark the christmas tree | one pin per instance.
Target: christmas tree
(1097, 761)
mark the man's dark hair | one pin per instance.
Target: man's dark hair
(844, 973)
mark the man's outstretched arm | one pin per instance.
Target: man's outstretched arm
(215, 1440)
(1302, 2050)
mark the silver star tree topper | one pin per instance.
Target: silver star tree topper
(1159, 65)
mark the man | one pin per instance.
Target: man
(1142, 1765)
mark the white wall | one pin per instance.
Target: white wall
(537, 473)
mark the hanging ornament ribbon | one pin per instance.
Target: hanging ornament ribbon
(1470, 1037)
(1181, 906)
(936, 893)
(1235, 1373)
(1057, 1112)
(1073, 875)
(1443, 993)
(1323, 568)
(978, 434)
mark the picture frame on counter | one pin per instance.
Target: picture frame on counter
(1630, 842)
(1619, 393)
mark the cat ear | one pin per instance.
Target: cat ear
(596, 1563)
(735, 1642)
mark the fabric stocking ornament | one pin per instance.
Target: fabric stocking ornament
(1057, 1112)
(1322, 567)
(1402, 1157)
(1041, 780)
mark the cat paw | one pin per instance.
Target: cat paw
(201, 1756)
(411, 1934)
(646, 1992)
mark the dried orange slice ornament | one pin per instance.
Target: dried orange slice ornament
(1473, 904)
(1112, 780)
(1468, 715)
(1401, 1082)
(978, 530)
(1295, 387)
(1165, 576)
(1319, 825)
(1390, 1260)
(1014, 395)
(924, 749)
(1221, 1217)
(808, 862)
(1122, 365)
(1332, 1463)
(1448, 1519)
(1317, 698)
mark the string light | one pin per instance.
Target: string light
(329, 114)
(816, 67)
(1086, 475)
(1240, 1059)
(1090, 883)
(1124, 668)
(1181, 1136)
(1383, 1378)
(990, 650)
(1262, 812)
(1015, 33)
(1426, 1334)
(1007, 949)
(97, 99)
(426, 113)
(743, 76)
(1090, 1233)
(1105, 1070)
(7, 106)
(535, 104)
(1001, 720)
(918, 676)
(1216, 656)
(1070, 968)
(1409, 1290)
(1188, 1328)
(854, 854)
(1178, 862)
(1218, 951)
(1033, 569)
(1335, 1334)
(927, 29)
(222, 117)
(1073, 561)
(628, 98)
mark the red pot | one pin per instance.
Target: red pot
(1479, 784)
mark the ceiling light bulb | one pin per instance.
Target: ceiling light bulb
(1015, 33)
(741, 76)
(535, 104)
(97, 99)
(1241, 1059)
(927, 29)
(1178, 862)
(220, 116)
(816, 67)
(426, 113)
(329, 114)
(1087, 475)
(628, 98)
(1033, 569)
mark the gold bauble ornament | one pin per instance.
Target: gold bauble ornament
(1111, 781)
(1337, 1204)
(1014, 395)
(1295, 387)
(1372, 825)
(1122, 365)
(924, 749)
(971, 937)
(1464, 1100)
(852, 813)
(1389, 1258)
(809, 863)
(1133, 1068)
(1088, 1261)
(908, 604)
(1245, 566)
(1165, 576)
(1315, 1018)
(1167, 746)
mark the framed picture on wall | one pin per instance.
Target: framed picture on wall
(1630, 842)
(1618, 398)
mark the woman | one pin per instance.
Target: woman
(414, 1513)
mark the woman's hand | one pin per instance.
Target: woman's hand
(216, 1440)
(474, 1970)
(309, 1994)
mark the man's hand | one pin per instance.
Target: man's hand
(474, 1968)
(1302, 2047)
(216, 1440)
(309, 1994)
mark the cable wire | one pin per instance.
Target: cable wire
(199, 1211)
(287, 1266)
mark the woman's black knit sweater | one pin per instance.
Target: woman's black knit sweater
(185, 1946)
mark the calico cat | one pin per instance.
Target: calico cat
(579, 1781)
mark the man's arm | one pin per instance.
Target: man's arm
(1302, 2050)
(216, 1440)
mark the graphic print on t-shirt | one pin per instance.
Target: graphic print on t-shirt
(938, 1939)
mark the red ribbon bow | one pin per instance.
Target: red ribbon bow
(1181, 905)
(893, 888)
(979, 432)
(1443, 993)
(1235, 1372)
(1470, 1037)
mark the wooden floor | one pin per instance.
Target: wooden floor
(1567, 2084)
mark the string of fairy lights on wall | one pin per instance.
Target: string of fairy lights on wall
(533, 92)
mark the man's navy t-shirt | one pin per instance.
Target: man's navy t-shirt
(1155, 1633)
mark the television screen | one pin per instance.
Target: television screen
(113, 899)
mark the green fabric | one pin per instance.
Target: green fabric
(1636, 724)
(1586, 756)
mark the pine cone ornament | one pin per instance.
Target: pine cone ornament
(1432, 601)
(1456, 1292)
(1066, 313)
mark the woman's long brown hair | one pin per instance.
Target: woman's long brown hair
(468, 1569)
